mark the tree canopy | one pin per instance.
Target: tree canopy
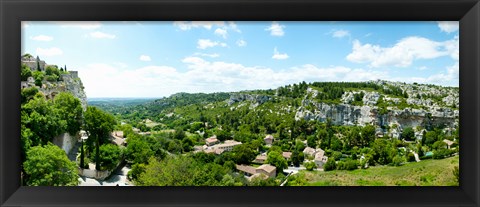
(48, 165)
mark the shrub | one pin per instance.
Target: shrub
(398, 160)
(310, 166)
(330, 165)
(411, 157)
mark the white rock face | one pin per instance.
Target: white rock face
(346, 114)
(259, 99)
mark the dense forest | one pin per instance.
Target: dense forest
(174, 125)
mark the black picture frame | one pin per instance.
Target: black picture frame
(14, 11)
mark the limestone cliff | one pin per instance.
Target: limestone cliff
(422, 108)
(69, 82)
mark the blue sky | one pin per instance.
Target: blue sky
(156, 59)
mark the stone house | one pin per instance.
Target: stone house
(265, 169)
(227, 145)
(211, 140)
(320, 158)
(268, 139)
(287, 155)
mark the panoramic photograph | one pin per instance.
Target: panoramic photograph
(244, 103)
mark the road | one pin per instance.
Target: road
(119, 177)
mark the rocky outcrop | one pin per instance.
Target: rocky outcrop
(346, 114)
(69, 82)
(430, 113)
(255, 98)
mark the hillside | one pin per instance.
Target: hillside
(425, 173)
(390, 106)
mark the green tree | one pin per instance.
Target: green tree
(49, 166)
(330, 165)
(28, 94)
(137, 151)
(38, 76)
(243, 154)
(408, 133)
(70, 110)
(310, 166)
(430, 138)
(25, 72)
(297, 158)
(368, 135)
(98, 124)
(276, 159)
(42, 119)
(110, 155)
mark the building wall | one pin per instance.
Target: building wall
(65, 141)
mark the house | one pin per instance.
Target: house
(419, 134)
(287, 155)
(309, 151)
(227, 145)
(268, 170)
(449, 143)
(216, 151)
(265, 169)
(260, 159)
(118, 134)
(320, 158)
(136, 130)
(268, 139)
(211, 140)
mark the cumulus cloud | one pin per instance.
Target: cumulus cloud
(450, 77)
(403, 53)
(340, 33)
(448, 26)
(53, 51)
(43, 38)
(87, 25)
(221, 32)
(103, 80)
(206, 43)
(186, 25)
(101, 35)
(241, 43)
(145, 58)
(279, 56)
(213, 55)
(276, 29)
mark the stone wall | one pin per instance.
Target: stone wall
(99, 175)
(33, 65)
(65, 141)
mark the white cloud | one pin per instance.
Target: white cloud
(145, 58)
(423, 68)
(449, 78)
(241, 43)
(101, 35)
(185, 25)
(54, 51)
(103, 80)
(279, 56)
(233, 26)
(403, 53)
(87, 25)
(44, 38)
(221, 32)
(276, 29)
(340, 33)
(448, 26)
(213, 55)
(206, 43)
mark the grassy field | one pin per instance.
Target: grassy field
(424, 173)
